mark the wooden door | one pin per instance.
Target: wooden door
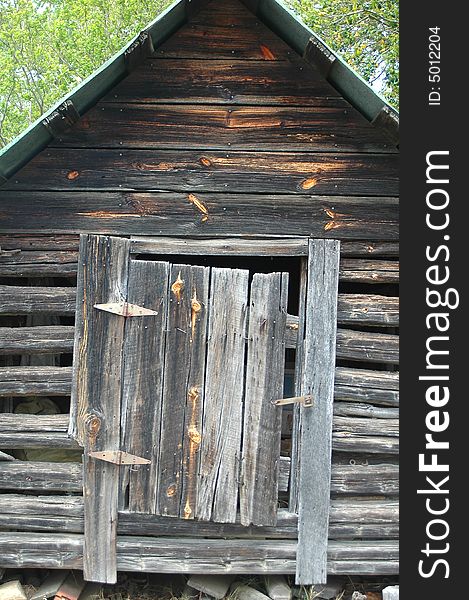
(175, 370)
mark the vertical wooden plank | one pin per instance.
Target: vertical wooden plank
(296, 430)
(222, 421)
(142, 391)
(264, 383)
(96, 393)
(316, 421)
(183, 390)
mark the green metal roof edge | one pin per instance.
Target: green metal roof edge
(274, 13)
(36, 137)
(287, 25)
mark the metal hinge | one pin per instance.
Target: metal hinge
(125, 309)
(304, 400)
(119, 457)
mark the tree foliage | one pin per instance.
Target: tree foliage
(364, 32)
(47, 47)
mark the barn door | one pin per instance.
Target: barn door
(175, 371)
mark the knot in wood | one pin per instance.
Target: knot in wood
(171, 490)
(71, 175)
(178, 287)
(194, 435)
(93, 424)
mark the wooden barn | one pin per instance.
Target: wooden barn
(199, 311)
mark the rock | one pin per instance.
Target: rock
(212, 585)
(330, 590)
(277, 587)
(358, 596)
(391, 592)
(246, 592)
(50, 586)
(13, 590)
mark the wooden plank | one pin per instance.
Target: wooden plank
(364, 346)
(364, 248)
(34, 241)
(96, 393)
(264, 378)
(62, 169)
(57, 506)
(226, 82)
(36, 550)
(183, 396)
(17, 422)
(202, 215)
(36, 340)
(142, 388)
(197, 40)
(35, 381)
(18, 300)
(368, 309)
(380, 479)
(230, 127)
(361, 426)
(360, 409)
(265, 246)
(4, 456)
(369, 271)
(53, 477)
(367, 378)
(343, 442)
(316, 423)
(222, 420)
(38, 264)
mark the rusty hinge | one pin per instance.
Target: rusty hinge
(125, 309)
(304, 400)
(119, 457)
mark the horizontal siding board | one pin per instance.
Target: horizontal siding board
(62, 169)
(41, 476)
(18, 300)
(219, 127)
(36, 340)
(227, 214)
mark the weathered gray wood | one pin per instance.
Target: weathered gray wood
(18, 300)
(277, 587)
(360, 409)
(364, 346)
(4, 456)
(183, 398)
(36, 340)
(35, 381)
(57, 506)
(356, 249)
(368, 309)
(96, 393)
(369, 271)
(19, 475)
(344, 442)
(316, 422)
(31, 439)
(38, 264)
(222, 421)
(367, 378)
(264, 383)
(365, 479)
(262, 246)
(30, 242)
(298, 329)
(361, 426)
(142, 388)
(215, 586)
(163, 555)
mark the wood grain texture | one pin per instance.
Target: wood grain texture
(39, 241)
(175, 214)
(41, 476)
(36, 340)
(142, 388)
(264, 378)
(19, 300)
(46, 550)
(96, 393)
(62, 169)
(35, 381)
(214, 127)
(368, 309)
(38, 264)
(316, 422)
(297, 246)
(183, 398)
(222, 420)
(369, 271)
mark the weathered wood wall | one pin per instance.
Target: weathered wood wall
(223, 132)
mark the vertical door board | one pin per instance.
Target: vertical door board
(316, 421)
(222, 420)
(264, 383)
(96, 396)
(142, 391)
(183, 389)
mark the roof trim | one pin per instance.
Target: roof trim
(273, 13)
